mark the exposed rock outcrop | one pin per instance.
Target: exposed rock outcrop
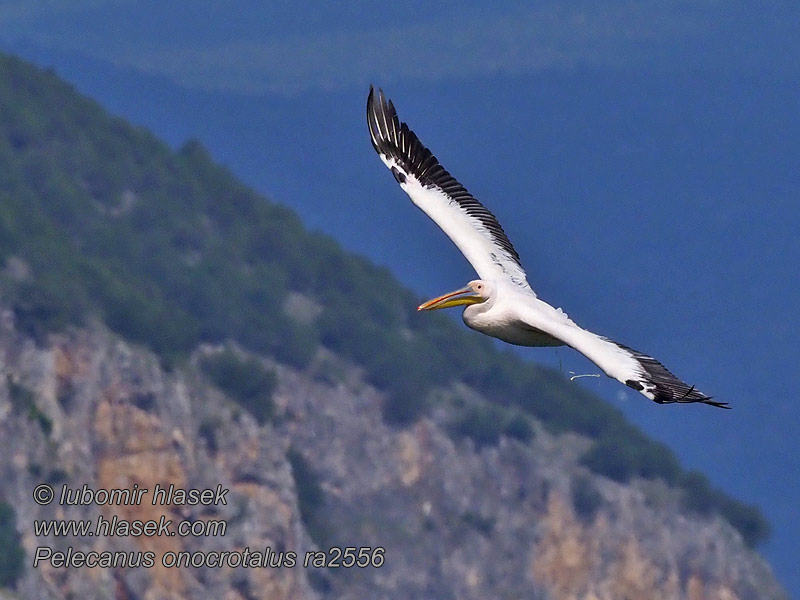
(455, 522)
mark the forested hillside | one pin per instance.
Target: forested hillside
(99, 219)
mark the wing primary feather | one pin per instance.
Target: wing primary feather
(659, 381)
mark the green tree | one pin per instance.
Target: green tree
(12, 556)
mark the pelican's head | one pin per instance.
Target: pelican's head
(475, 292)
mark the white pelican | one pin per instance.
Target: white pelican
(501, 303)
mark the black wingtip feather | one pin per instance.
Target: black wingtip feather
(665, 386)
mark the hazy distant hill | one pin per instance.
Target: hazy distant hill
(102, 223)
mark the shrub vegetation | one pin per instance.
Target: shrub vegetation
(243, 379)
(12, 557)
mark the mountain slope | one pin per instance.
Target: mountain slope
(101, 221)
(456, 520)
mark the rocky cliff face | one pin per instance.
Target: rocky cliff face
(513, 520)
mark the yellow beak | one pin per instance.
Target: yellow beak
(457, 298)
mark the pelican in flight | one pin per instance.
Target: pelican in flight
(501, 303)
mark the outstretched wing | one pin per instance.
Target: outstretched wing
(635, 369)
(473, 229)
